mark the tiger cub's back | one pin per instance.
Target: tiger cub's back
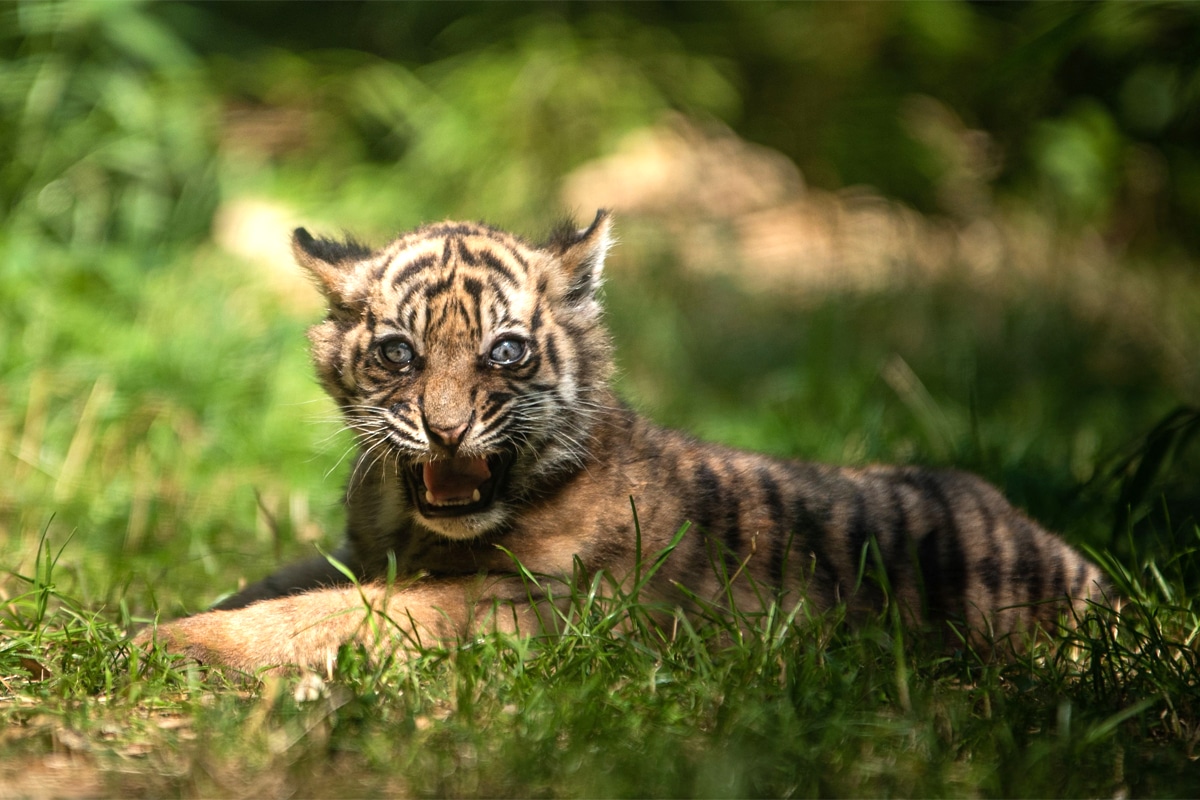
(942, 544)
(475, 368)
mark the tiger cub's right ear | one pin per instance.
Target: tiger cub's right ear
(582, 253)
(332, 263)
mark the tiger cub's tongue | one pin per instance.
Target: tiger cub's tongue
(454, 480)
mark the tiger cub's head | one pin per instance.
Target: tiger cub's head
(467, 361)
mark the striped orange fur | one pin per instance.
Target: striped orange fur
(474, 367)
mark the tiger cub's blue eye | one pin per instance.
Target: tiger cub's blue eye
(396, 351)
(507, 351)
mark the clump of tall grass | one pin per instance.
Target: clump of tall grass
(631, 698)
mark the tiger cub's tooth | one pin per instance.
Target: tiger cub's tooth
(429, 497)
(475, 496)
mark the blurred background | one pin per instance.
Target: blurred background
(942, 233)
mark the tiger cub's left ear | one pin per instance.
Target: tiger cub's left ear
(581, 253)
(332, 263)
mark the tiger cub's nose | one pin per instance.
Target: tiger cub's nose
(449, 437)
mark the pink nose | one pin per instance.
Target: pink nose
(450, 437)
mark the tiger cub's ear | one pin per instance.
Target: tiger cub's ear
(332, 263)
(581, 253)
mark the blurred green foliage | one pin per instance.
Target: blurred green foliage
(113, 110)
(108, 126)
(139, 363)
(161, 436)
(1093, 109)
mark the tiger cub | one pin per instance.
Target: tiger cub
(473, 368)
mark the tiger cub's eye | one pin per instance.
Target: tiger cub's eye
(396, 351)
(507, 352)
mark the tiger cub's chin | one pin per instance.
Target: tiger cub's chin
(466, 526)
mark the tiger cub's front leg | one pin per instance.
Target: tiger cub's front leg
(306, 630)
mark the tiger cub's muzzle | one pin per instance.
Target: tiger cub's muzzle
(457, 486)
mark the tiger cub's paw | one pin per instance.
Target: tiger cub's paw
(198, 640)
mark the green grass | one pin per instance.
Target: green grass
(791, 706)
(166, 440)
(162, 437)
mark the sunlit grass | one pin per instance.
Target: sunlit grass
(162, 438)
(782, 704)
(176, 444)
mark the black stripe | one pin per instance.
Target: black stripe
(476, 323)
(1058, 581)
(991, 570)
(474, 288)
(896, 551)
(1027, 571)
(930, 561)
(400, 421)
(857, 529)
(708, 493)
(465, 254)
(418, 264)
(433, 290)
(585, 368)
(529, 367)
(954, 565)
(577, 328)
(421, 289)
(858, 533)
(436, 318)
(493, 262)
(939, 552)
(812, 531)
(991, 567)
(494, 405)
(451, 229)
(703, 506)
(732, 530)
(499, 306)
(1079, 581)
(778, 532)
(516, 256)
(551, 348)
(770, 489)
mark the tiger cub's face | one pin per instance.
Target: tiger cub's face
(466, 360)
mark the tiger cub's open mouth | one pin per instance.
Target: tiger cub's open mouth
(455, 487)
